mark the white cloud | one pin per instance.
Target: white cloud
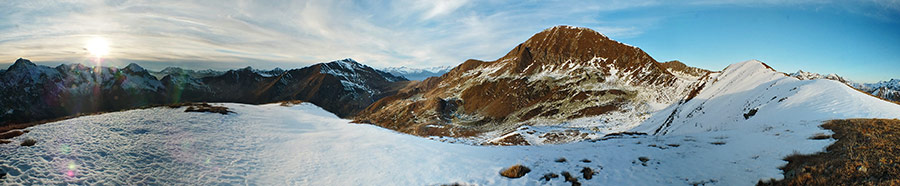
(439, 7)
(379, 33)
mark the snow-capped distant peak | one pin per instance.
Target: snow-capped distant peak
(134, 68)
(418, 73)
(21, 63)
(803, 75)
(408, 70)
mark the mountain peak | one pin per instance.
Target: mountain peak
(133, 67)
(748, 65)
(21, 63)
(561, 44)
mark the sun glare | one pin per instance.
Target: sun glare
(97, 46)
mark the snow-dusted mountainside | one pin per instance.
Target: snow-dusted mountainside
(889, 90)
(36, 92)
(418, 74)
(40, 92)
(343, 87)
(568, 77)
(751, 96)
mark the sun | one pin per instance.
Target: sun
(97, 46)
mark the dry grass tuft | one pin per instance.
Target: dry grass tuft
(516, 171)
(205, 107)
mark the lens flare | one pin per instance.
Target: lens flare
(98, 47)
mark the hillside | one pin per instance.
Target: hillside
(751, 95)
(343, 87)
(568, 77)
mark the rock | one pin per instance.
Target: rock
(569, 178)
(560, 160)
(2, 173)
(29, 142)
(644, 159)
(549, 176)
(586, 160)
(588, 173)
(515, 171)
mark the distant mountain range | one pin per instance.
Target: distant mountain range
(34, 92)
(563, 84)
(888, 90)
(418, 73)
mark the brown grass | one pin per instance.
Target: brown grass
(205, 107)
(515, 171)
(867, 152)
(593, 111)
(512, 140)
(290, 103)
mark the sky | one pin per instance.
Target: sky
(859, 40)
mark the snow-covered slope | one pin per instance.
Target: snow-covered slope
(418, 73)
(752, 96)
(305, 145)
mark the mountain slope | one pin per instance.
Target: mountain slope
(342, 87)
(40, 92)
(559, 75)
(751, 95)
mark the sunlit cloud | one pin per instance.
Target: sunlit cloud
(256, 33)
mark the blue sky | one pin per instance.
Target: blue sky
(855, 39)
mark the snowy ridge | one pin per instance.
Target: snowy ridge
(889, 90)
(750, 95)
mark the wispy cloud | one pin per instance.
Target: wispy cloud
(379, 33)
(389, 33)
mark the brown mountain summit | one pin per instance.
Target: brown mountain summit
(561, 74)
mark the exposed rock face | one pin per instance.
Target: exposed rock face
(33, 92)
(560, 74)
